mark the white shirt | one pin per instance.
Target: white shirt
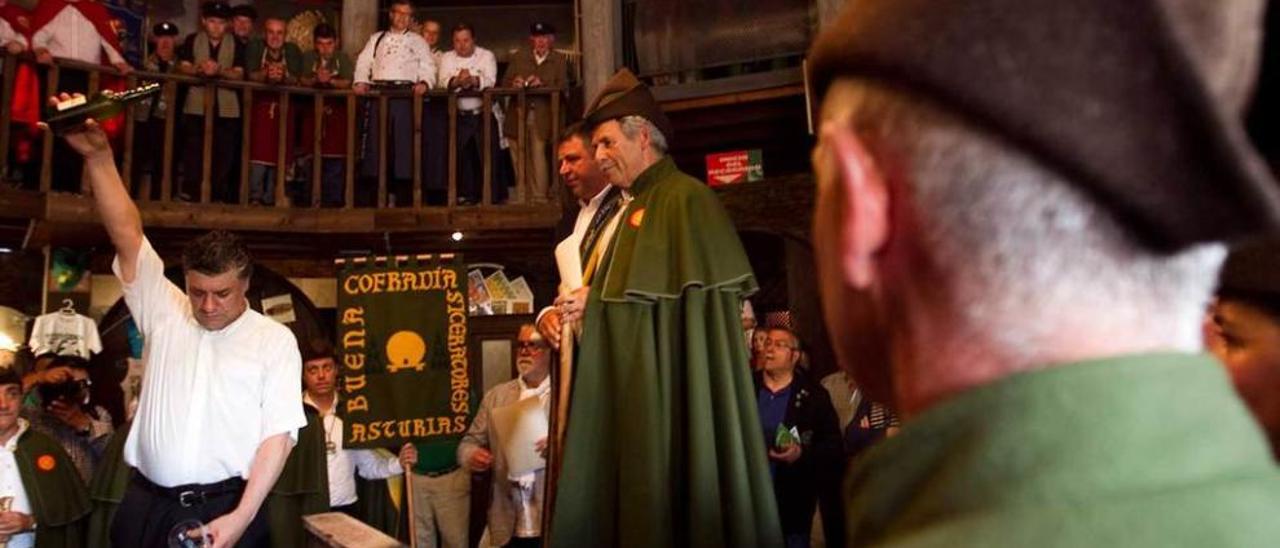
(70, 35)
(209, 398)
(586, 211)
(526, 490)
(65, 333)
(344, 463)
(400, 56)
(11, 486)
(481, 64)
(7, 34)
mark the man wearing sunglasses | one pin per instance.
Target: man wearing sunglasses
(515, 513)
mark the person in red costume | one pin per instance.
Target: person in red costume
(25, 106)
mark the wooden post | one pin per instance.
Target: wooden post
(246, 144)
(350, 183)
(453, 150)
(46, 151)
(382, 150)
(206, 167)
(282, 148)
(554, 142)
(408, 501)
(126, 164)
(417, 151)
(316, 160)
(522, 133)
(171, 117)
(486, 153)
(6, 111)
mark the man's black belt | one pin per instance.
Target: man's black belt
(391, 84)
(192, 494)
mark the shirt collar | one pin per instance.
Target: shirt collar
(231, 327)
(546, 383)
(12, 444)
(540, 58)
(595, 200)
(1071, 433)
(306, 398)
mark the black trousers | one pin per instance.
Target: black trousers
(471, 159)
(147, 514)
(224, 171)
(519, 542)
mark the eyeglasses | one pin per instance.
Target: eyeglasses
(770, 343)
(531, 346)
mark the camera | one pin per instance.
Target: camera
(70, 392)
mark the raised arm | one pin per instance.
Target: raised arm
(116, 209)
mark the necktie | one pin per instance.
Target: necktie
(608, 207)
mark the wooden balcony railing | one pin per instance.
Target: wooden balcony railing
(290, 100)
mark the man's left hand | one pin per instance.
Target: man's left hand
(541, 447)
(227, 529)
(790, 454)
(419, 88)
(12, 523)
(573, 305)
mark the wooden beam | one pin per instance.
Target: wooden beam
(282, 148)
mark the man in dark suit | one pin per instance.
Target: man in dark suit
(808, 455)
(538, 66)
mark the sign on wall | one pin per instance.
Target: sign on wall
(739, 166)
(402, 348)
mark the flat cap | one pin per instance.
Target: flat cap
(626, 95)
(215, 9)
(244, 10)
(1136, 102)
(1252, 268)
(540, 28)
(164, 28)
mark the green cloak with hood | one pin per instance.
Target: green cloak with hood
(663, 446)
(58, 498)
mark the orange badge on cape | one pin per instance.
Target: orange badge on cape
(636, 218)
(46, 463)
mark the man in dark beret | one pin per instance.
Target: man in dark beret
(243, 20)
(150, 113)
(537, 66)
(1020, 213)
(1244, 331)
(663, 444)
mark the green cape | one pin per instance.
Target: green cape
(663, 446)
(303, 487)
(1138, 451)
(58, 498)
(107, 488)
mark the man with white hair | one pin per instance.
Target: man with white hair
(1017, 231)
(663, 444)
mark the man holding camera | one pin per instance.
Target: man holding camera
(58, 405)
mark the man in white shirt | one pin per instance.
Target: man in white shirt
(392, 59)
(320, 390)
(468, 70)
(71, 34)
(515, 512)
(220, 406)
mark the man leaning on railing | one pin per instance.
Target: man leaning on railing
(212, 55)
(327, 67)
(393, 59)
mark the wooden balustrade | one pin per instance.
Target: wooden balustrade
(291, 104)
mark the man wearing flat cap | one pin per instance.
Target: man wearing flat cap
(538, 66)
(149, 114)
(244, 20)
(1017, 231)
(211, 54)
(663, 444)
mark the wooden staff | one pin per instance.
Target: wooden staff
(408, 501)
(561, 380)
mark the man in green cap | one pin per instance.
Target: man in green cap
(1017, 230)
(663, 446)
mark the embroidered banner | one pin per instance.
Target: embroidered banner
(402, 349)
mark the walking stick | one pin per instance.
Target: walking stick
(561, 382)
(408, 501)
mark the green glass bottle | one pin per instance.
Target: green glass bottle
(70, 114)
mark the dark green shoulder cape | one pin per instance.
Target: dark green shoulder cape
(303, 487)
(107, 488)
(663, 446)
(58, 498)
